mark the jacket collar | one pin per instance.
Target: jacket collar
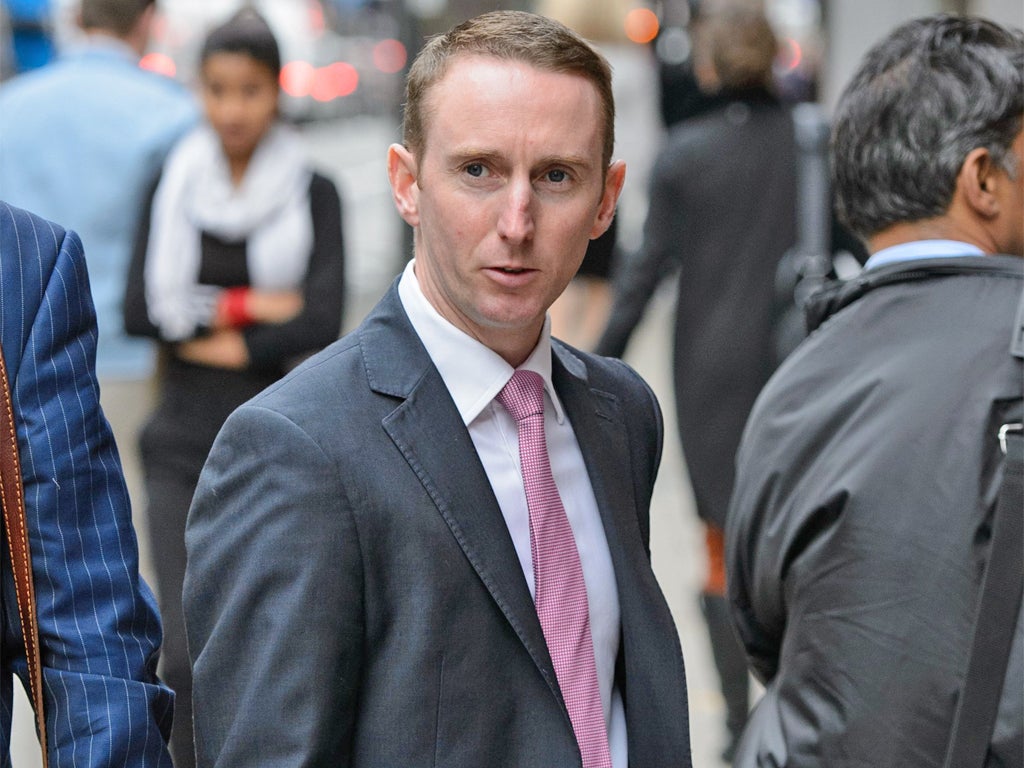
(396, 368)
(397, 365)
(837, 295)
(428, 430)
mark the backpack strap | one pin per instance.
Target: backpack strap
(13, 497)
(1017, 341)
(998, 605)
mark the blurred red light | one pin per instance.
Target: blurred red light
(389, 56)
(790, 55)
(641, 25)
(160, 63)
(335, 81)
(297, 78)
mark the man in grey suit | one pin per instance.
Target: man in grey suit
(389, 563)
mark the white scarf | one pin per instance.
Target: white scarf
(270, 210)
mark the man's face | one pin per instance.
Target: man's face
(505, 195)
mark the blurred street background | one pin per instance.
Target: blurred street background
(345, 62)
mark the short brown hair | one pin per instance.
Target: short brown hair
(512, 36)
(117, 16)
(741, 46)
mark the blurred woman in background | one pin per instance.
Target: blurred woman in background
(579, 315)
(238, 272)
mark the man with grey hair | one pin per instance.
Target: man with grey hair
(872, 488)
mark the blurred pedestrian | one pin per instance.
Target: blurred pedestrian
(579, 315)
(239, 272)
(680, 95)
(81, 141)
(722, 212)
(98, 628)
(384, 567)
(27, 27)
(865, 510)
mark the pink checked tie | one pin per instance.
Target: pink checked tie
(561, 594)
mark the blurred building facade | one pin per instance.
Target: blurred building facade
(831, 36)
(852, 26)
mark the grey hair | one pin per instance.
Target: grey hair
(924, 97)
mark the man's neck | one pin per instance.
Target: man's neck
(939, 228)
(111, 38)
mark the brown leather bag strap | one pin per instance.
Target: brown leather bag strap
(13, 498)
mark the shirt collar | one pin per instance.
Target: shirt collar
(922, 249)
(473, 373)
(98, 45)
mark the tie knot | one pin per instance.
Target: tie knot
(523, 396)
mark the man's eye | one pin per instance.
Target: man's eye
(475, 169)
(557, 175)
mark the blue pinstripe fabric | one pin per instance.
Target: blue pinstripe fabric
(99, 629)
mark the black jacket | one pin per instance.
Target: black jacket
(722, 212)
(858, 530)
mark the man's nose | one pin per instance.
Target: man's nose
(515, 223)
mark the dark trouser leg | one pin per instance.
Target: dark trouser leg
(730, 659)
(170, 494)
(731, 663)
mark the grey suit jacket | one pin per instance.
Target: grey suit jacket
(353, 597)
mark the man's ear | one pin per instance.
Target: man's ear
(402, 173)
(978, 183)
(613, 181)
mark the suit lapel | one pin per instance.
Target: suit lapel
(650, 660)
(427, 429)
(602, 436)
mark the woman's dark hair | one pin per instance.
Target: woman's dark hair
(926, 96)
(248, 33)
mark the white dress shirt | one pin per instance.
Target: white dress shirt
(922, 249)
(474, 375)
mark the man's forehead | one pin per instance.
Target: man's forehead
(471, 66)
(473, 73)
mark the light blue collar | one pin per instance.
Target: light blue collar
(922, 249)
(101, 46)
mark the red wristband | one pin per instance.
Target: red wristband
(233, 307)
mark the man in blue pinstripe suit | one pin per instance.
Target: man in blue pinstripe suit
(98, 624)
